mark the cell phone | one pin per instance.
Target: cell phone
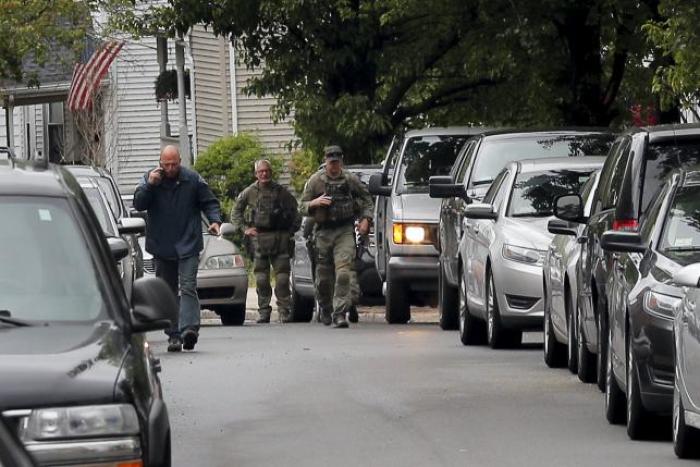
(329, 198)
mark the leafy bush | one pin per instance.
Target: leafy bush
(227, 165)
(303, 164)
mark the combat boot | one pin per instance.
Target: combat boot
(285, 317)
(264, 319)
(339, 322)
(326, 317)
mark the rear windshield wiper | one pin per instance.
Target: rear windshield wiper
(5, 318)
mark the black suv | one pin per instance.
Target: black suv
(630, 180)
(477, 164)
(79, 383)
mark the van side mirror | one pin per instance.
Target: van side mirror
(227, 229)
(377, 187)
(569, 208)
(153, 305)
(622, 242)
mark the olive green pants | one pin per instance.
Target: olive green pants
(336, 279)
(271, 250)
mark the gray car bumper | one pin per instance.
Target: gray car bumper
(222, 286)
(519, 292)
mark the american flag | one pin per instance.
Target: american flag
(87, 76)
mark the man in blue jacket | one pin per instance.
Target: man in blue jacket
(174, 197)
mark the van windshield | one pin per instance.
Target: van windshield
(47, 271)
(495, 153)
(425, 156)
(664, 158)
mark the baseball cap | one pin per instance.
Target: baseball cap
(333, 153)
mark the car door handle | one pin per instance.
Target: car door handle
(582, 240)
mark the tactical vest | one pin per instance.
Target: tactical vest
(269, 214)
(342, 208)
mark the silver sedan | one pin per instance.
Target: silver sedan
(503, 247)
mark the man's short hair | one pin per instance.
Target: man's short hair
(260, 162)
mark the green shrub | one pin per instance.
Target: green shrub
(302, 165)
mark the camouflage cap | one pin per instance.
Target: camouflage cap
(333, 153)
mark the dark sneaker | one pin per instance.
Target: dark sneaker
(340, 323)
(263, 320)
(174, 344)
(189, 339)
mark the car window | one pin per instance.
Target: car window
(661, 159)
(392, 158)
(461, 167)
(424, 157)
(46, 270)
(612, 189)
(111, 195)
(534, 192)
(101, 210)
(587, 192)
(680, 238)
(495, 153)
(651, 217)
(493, 189)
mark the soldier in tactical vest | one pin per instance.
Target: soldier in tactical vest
(335, 198)
(266, 213)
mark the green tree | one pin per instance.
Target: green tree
(35, 29)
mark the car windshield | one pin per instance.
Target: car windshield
(680, 240)
(662, 159)
(533, 192)
(46, 270)
(426, 156)
(101, 210)
(495, 153)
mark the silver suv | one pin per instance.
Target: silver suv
(406, 218)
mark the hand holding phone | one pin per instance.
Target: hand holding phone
(156, 176)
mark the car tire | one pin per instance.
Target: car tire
(497, 336)
(471, 329)
(398, 309)
(448, 309)
(586, 370)
(614, 397)
(686, 439)
(638, 418)
(602, 349)
(571, 333)
(231, 315)
(554, 352)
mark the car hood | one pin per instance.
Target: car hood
(59, 364)
(416, 207)
(528, 232)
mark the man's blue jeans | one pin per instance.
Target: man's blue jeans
(181, 276)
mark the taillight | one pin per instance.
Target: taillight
(625, 225)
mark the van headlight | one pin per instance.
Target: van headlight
(88, 421)
(524, 255)
(411, 234)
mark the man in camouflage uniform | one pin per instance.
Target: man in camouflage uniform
(266, 213)
(335, 198)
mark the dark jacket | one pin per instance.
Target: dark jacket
(174, 227)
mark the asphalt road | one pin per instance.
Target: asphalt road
(381, 395)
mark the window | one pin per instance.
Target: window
(493, 189)
(460, 170)
(392, 157)
(662, 159)
(680, 239)
(534, 192)
(425, 156)
(611, 191)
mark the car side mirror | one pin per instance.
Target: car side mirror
(622, 242)
(480, 211)
(118, 247)
(569, 208)
(442, 186)
(153, 305)
(132, 226)
(377, 187)
(141, 214)
(688, 276)
(560, 227)
(227, 229)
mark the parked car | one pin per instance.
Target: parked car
(632, 175)
(79, 383)
(503, 248)
(301, 278)
(641, 303)
(222, 279)
(481, 159)
(559, 286)
(406, 218)
(686, 333)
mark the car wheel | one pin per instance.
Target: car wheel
(602, 350)
(231, 315)
(586, 360)
(447, 303)
(686, 439)
(638, 418)
(398, 310)
(471, 330)
(571, 333)
(353, 316)
(554, 352)
(614, 397)
(301, 308)
(496, 335)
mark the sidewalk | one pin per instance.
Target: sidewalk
(374, 314)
